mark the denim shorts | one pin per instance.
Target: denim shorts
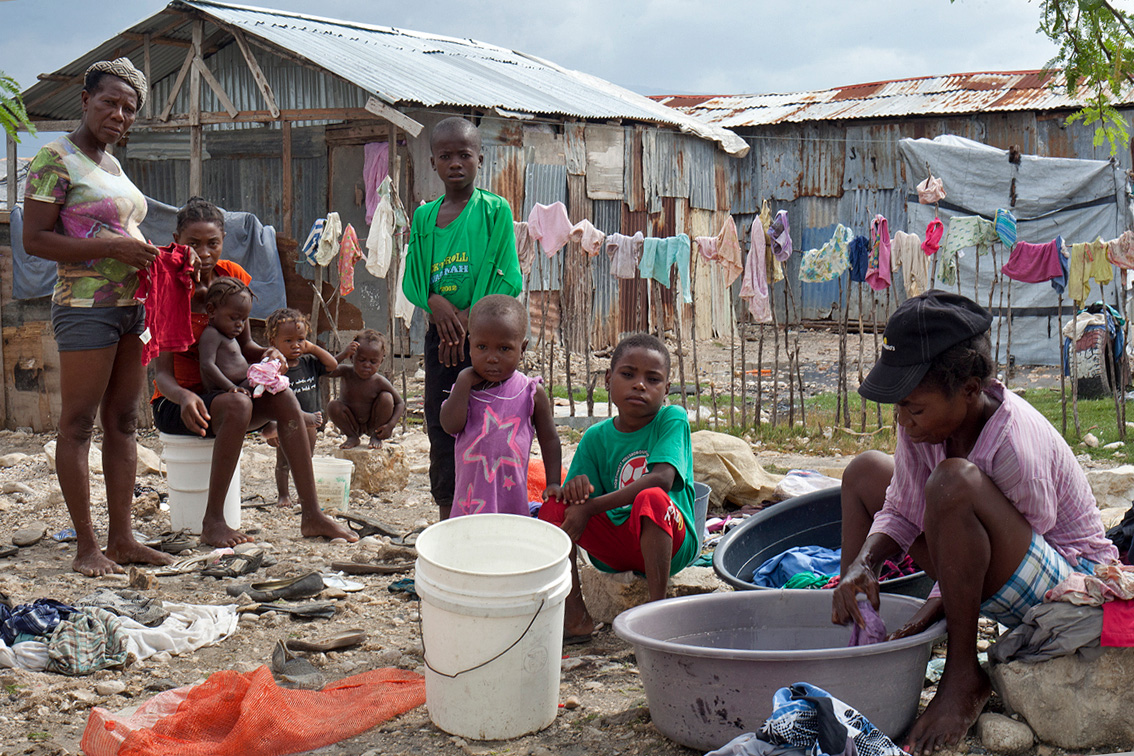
(79, 328)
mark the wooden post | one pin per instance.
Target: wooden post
(391, 287)
(1062, 366)
(196, 170)
(13, 175)
(287, 190)
(146, 109)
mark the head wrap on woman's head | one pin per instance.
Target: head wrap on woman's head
(125, 70)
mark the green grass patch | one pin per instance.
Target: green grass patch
(560, 391)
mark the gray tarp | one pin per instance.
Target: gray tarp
(1080, 200)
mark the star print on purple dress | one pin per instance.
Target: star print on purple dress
(493, 449)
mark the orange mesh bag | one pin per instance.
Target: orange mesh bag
(537, 479)
(248, 714)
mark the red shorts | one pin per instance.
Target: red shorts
(620, 546)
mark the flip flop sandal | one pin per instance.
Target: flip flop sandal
(185, 565)
(235, 565)
(65, 536)
(364, 526)
(372, 568)
(7, 551)
(334, 643)
(301, 586)
(171, 541)
(408, 540)
(295, 670)
(333, 580)
(306, 610)
(406, 586)
(254, 501)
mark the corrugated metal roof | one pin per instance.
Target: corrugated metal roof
(927, 95)
(395, 65)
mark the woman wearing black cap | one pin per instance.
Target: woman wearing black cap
(982, 492)
(82, 212)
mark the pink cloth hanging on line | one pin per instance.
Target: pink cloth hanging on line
(586, 235)
(728, 251)
(375, 168)
(754, 284)
(878, 267)
(933, 233)
(550, 226)
(1120, 251)
(707, 246)
(1033, 263)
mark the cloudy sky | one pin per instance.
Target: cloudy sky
(650, 46)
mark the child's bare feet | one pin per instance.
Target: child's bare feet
(284, 501)
(375, 443)
(319, 525)
(219, 534)
(351, 442)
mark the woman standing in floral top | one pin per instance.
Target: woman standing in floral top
(81, 212)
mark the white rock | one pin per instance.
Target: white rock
(1091, 440)
(1113, 487)
(1115, 445)
(16, 487)
(94, 457)
(148, 461)
(1040, 694)
(1001, 734)
(110, 687)
(13, 459)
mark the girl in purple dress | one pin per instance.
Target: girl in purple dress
(494, 410)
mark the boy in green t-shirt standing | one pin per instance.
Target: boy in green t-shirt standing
(628, 499)
(462, 247)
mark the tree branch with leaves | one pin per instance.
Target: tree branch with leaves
(13, 114)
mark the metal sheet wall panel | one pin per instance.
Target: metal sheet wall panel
(821, 156)
(701, 168)
(780, 165)
(606, 155)
(632, 165)
(575, 149)
(744, 179)
(544, 185)
(871, 157)
(607, 217)
(503, 174)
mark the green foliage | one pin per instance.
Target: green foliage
(13, 114)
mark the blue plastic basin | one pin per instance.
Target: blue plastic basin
(814, 519)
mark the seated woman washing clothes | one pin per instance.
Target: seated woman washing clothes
(982, 492)
(181, 406)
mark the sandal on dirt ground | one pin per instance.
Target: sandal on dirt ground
(171, 541)
(409, 540)
(186, 565)
(300, 586)
(365, 526)
(305, 610)
(295, 670)
(235, 565)
(334, 643)
(372, 568)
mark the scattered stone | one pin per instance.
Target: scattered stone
(377, 470)
(13, 459)
(148, 461)
(1001, 734)
(1115, 445)
(30, 535)
(84, 696)
(110, 687)
(609, 594)
(572, 702)
(142, 580)
(16, 487)
(1040, 692)
(1091, 440)
(1113, 487)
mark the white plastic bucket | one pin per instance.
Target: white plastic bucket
(188, 461)
(492, 588)
(332, 482)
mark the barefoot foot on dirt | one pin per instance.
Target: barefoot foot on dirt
(375, 443)
(95, 564)
(959, 701)
(220, 535)
(131, 552)
(285, 502)
(351, 442)
(319, 525)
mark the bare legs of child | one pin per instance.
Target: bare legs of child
(283, 469)
(966, 515)
(356, 421)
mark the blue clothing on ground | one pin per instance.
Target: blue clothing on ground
(780, 568)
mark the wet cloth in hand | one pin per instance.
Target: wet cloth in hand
(874, 630)
(167, 290)
(775, 572)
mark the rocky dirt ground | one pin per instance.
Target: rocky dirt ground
(605, 710)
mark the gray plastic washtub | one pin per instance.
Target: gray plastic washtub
(711, 663)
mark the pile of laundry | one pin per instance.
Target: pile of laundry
(106, 629)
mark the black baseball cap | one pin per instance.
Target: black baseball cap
(919, 330)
